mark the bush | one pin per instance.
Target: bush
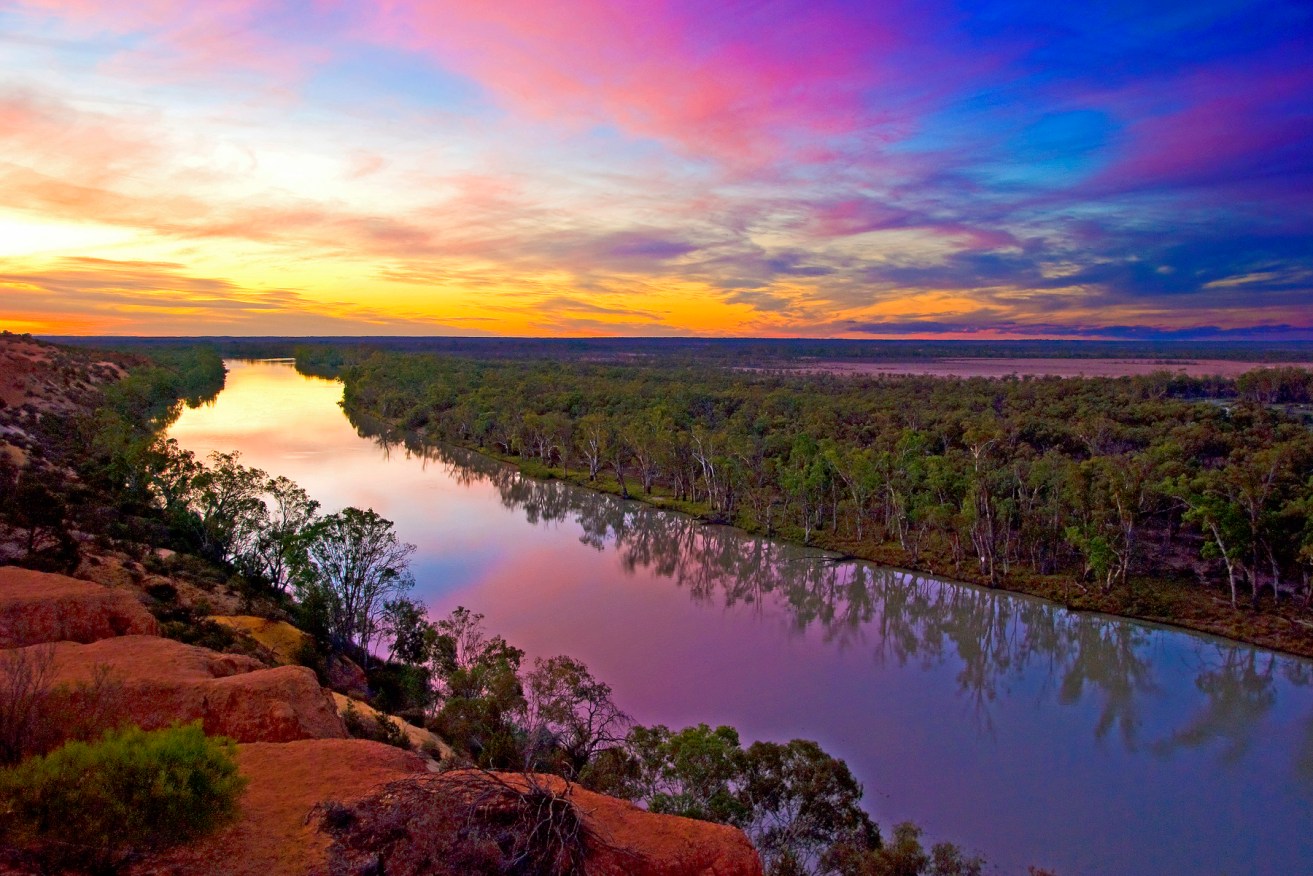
(95, 806)
(37, 715)
(469, 824)
(26, 676)
(378, 727)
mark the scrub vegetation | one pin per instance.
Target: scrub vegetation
(94, 807)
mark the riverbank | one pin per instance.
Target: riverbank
(1179, 603)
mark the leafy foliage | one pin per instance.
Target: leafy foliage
(355, 563)
(94, 806)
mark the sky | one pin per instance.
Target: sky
(582, 168)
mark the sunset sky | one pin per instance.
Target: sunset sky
(863, 169)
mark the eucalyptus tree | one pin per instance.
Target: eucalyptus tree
(353, 564)
(1063, 477)
(279, 548)
(227, 500)
(569, 716)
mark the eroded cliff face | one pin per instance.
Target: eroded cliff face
(37, 378)
(155, 682)
(317, 802)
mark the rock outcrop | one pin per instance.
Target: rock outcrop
(317, 803)
(419, 738)
(38, 379)
(42, 607)
(635, 842)
(338, 807)
(155, 682)
(468, 822)
(274, 836)
(282, 639)
(628, 841)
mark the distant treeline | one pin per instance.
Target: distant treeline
(743, 351)
(1115, 485)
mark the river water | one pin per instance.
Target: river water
(1026, 733)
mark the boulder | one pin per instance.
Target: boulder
(346, 677)
(155, 682)
(630, 841)
(42, 607)
(420, 739)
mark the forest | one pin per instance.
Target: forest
(1168, 497)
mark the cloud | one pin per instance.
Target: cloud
(762, 301)
(736, 82)
(808, 165)
(98, 296)
(1224, 128)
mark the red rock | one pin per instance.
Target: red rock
(41, 607)
(281, 828)
(346, 677)
(642, 843)
(273, 836)
(160, 681)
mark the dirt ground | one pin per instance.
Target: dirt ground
(1045, 367)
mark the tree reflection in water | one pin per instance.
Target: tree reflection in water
(996, 637)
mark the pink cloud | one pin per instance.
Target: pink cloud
(90, 146)
(856, 216)
(1224, 127)
(744, 84)
(732, 86)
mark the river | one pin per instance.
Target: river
(1024, 732)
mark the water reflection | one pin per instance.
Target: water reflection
(997, 640)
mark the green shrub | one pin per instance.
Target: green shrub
(378, 727)
(95, 806)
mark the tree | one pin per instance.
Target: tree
(797, 803)
(570, 713)
(26, 677)
(166, 472)
(805, 480)
(591, 437)
(280, 546)
(903, 856)
(803, 802)
(1211, 505)
(354, 560)
(36, 504)
(694, 772)
(477, 678)
(410, 636)
(226, 498)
